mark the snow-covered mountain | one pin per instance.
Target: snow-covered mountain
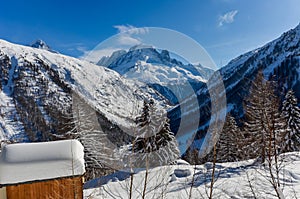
(37, 89)
(167, 75)
(107, 60)
(279, 60)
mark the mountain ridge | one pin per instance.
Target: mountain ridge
(27, 73)
(158, 69)
(280, 62)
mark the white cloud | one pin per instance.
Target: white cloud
(128, 40)
(82, 49)
(128, 34)
(123, 28)
(227, 17)
(129, 29)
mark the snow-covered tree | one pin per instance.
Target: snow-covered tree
(154, 141)
(155, 144)
(85, 129)
(99, 149)
(291, 113)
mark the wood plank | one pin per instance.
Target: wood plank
(64, 188)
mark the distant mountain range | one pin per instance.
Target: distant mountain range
(37, 86)
(167, 75)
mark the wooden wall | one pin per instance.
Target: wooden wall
(3, 193)
(64, 188)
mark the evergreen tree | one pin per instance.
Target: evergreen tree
(230, 144)
(154, 141)
(291, 113)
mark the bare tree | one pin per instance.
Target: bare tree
(265, 128)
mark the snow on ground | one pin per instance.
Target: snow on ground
(233, 180)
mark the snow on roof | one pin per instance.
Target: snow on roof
(25, 162)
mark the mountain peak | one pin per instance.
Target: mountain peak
(40, 44)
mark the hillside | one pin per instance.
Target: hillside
(280, 62)
(48, 96)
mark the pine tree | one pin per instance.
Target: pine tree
(291, 113)
(230, 144)
(144, 130)
(155, 141)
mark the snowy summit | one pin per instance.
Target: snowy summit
(40, 44)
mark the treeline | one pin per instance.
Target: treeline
(268, 127)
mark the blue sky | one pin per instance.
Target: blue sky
(225, 28)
